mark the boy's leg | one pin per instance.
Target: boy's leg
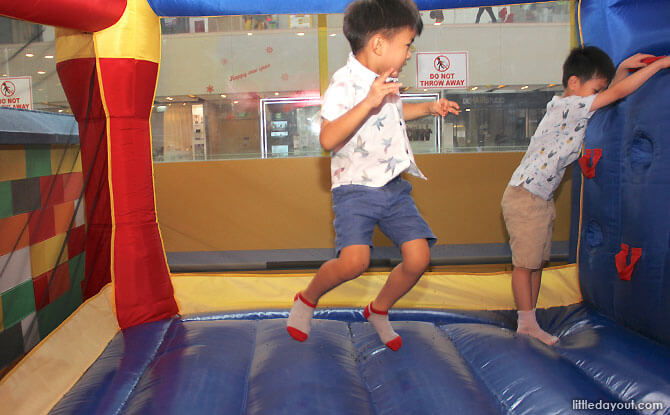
(535, 283)
(353, 261)
(522, 288)
(528, 220)
(415, 260)
(416, 257)
(526, 286)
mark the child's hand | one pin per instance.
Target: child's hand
(380, 89)
(635, 61)
(443, 107)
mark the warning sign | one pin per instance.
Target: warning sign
(442, 70)
(16, 92)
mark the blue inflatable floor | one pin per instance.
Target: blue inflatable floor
(450, 363)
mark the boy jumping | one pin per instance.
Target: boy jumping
(363, 125)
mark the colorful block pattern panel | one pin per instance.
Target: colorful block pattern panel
(15, 268)
(38, 161)
(42, 239)
(26, 195)
(11, 339)
(15, 234)
(6, 204)
(12, 163)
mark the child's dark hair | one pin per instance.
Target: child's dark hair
(588, 62)
(365, 18)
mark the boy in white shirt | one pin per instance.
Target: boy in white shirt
(364, 127)
(528, 206)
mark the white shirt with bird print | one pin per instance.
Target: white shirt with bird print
(379, 150)
(556, 143)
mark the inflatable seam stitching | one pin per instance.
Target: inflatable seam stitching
(151, 359)
(252, 354)
(481, 380)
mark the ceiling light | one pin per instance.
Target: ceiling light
(223, 95)
(524, 87)
(48, 56)
(41, 72)
(30, 55)
(300, 34)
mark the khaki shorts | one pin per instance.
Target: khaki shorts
(529, 220)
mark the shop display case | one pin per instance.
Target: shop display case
(199, 140)
(291, 126)
(425, 134)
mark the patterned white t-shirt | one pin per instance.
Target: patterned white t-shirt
(379, 151)
(556, 143)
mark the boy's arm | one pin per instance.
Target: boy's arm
(417, 110)
(633, 62)
(337, 132)
(629, 84)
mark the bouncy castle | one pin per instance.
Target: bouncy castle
(146, 341)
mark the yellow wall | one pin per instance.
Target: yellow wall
(285, 203)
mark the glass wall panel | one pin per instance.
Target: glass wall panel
(257, 79)
(221, 75)
(28, 78)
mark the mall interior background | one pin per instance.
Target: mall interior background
(248, 86)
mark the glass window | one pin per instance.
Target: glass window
(257, 79)
(495, 121)
(19, 32)
(424, 134)
(223, 78)
(28, 74)
(290, 126)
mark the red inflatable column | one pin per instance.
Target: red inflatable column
(128, 56)
(77, 72)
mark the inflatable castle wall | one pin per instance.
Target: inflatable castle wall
(624, 249)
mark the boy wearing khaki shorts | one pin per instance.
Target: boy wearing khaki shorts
(527, 204)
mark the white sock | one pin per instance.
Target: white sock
(381, 323)
(527, 324)
(300, 318)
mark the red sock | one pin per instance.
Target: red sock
(300, 318)
(381, 323)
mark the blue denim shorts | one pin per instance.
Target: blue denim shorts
(359, 208)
